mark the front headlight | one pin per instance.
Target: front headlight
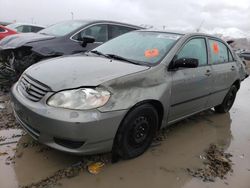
(79, 99)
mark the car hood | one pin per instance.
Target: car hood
(77, 71)
(18, 40)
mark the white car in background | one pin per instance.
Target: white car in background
(25, 27)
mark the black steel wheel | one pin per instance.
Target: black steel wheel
(228, 101)
(136, 132)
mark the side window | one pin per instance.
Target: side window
(99, 32)
(2, 30)
(26, 29)
(231, 59)
(219, 52)
(195, 48)
(19, 29)
(35, 29)
(116, 30)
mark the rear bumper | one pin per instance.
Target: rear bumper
(79, 132)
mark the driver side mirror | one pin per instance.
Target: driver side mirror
(185, 63)
(86, 40)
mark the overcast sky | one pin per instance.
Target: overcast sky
(230, 16)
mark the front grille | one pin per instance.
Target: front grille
(32, 89)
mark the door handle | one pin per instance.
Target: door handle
(232, 68)
(208, 73)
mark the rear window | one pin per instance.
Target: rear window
(2, 30)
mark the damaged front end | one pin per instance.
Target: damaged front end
(13, 63)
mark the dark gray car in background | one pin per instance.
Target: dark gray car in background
(120, 94)
(18, 52)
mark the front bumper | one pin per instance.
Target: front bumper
(93, 130)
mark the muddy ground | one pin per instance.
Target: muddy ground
(165, 164)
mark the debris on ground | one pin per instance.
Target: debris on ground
(3, 153)
(2, 138)
(17, 135)
(50, 181)
(7, 119)
(217, 164)
(95, 168)
(32, 143)
(72, 171)
(44, 149)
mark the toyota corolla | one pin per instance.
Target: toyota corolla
(117, 96)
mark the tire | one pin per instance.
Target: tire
(228, 101)
(136, 132)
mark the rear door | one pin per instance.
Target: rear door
(190, 86)
(224, 70)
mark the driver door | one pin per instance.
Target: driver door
(190, 86)
(99, 32)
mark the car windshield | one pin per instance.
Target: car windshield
(62, 28)
(144, 47)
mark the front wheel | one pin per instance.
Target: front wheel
(228, 101)
(136, 132)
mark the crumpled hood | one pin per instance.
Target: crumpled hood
(76, 71)
(18, 40)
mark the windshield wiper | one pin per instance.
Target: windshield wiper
(117, 57)
(99, 53)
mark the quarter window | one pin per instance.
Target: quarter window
(195, 48)
(99, 32)
(219, 52)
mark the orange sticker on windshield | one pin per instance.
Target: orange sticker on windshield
(216, 47)
(151, 53)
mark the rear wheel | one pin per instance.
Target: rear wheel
(136, 132)
(228, 101)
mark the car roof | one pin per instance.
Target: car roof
(30, 24)
(91, 21)
(181, 33)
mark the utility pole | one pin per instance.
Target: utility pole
(72, 15)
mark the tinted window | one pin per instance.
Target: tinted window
(219, 52)
(115, 30)
(2, 30)
(195, 48)
(35, 29)
(19, 29)
(141, 46)
(26, 29)
(99, 32)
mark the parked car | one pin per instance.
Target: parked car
(4, 32)
(117, 96)
(25, 27)
(65, 38)
(4, 23)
